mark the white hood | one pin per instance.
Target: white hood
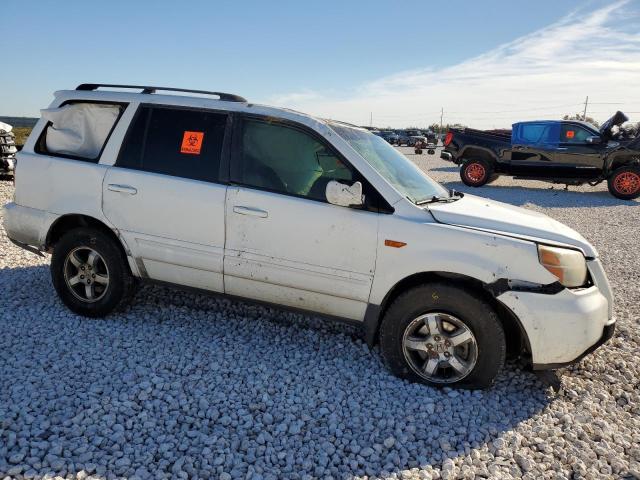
(491, 216)
(6, 127)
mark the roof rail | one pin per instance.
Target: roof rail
(227, 97)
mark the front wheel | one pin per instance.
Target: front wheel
(90, 273)
(624, 183)
(442, 335)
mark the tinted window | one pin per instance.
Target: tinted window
(536, 133)
(179, 142)
(287, 160)
(574, 134)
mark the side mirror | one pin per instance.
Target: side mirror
(344, 195)
(594, 140)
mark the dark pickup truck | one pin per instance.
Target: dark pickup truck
(559, 151)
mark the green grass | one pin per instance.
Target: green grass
(21, 134)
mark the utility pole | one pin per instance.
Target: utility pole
(441, 114)
(584, 115)
(371, 119)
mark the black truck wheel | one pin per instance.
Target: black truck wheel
(624, 183)
(476, 172)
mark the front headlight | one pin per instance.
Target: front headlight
(569, 266)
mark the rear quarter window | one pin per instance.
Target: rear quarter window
(78, 130)
(537, 134)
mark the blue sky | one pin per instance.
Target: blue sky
(347, 56)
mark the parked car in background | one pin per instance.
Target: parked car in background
(386, 134)
(559, 151)
(422, 143)
(276, 206)
(402, 138)
(431, 137)
(408, 137)
(393, 138)
(8, 149)
(389, 135)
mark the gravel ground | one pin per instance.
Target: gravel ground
(185, 386)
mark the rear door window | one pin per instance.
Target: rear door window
(180, 142)
(78, 130)
(537, 134)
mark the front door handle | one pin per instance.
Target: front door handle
(114, 187)
(562, 149)
(254, 212)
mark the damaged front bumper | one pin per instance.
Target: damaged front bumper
(565, 326)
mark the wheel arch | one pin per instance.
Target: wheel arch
(621, 160)
(473, 152)
(517, 339)
(68, 222)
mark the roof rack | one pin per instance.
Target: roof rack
(227, 97)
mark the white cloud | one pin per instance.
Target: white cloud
(541, 75)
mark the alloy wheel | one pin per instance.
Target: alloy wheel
(86, 274)
(440, 347)
(475, 172)
(627, 183)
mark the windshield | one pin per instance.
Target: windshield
(396, 169)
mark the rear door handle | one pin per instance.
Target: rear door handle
(254, 212)
(114, 187)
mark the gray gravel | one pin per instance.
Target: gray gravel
(185, 386)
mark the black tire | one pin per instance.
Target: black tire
(431, 151)
(467, 306)
(418, 151)
(120, 287)
(476, 172)
(624, 183)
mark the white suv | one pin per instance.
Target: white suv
(271, 205)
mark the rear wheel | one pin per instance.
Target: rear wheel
(624, 183)
(443, 335)
(90, 273)
(476, 172)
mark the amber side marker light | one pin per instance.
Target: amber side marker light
(394, 244)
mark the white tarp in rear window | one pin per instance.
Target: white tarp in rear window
(79, 129)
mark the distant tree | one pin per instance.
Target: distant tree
(580, 117)
(435, 127)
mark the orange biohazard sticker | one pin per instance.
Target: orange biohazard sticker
(570, 134)
(192, 142)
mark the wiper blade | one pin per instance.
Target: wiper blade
(435, 199)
